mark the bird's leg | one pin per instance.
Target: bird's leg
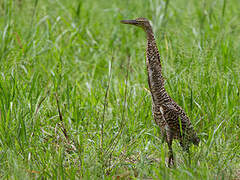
(164, 136)
(170, 151)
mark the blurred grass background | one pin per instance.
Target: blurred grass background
(78, 53)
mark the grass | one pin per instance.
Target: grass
(74, 102)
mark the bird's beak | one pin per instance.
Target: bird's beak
(134, 22)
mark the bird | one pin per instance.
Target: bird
(167, 114)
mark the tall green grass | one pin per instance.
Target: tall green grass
(74, 99)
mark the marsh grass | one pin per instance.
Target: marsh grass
(70, 66)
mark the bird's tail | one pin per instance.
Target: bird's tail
(195, 140)
(186, 142)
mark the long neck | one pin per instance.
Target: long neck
(154, 68)
(152, 50)
(150, 37)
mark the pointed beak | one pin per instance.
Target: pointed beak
(134, 22)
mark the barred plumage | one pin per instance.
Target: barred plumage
(168, 115)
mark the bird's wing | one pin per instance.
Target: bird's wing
(182, 124)
(177, 111)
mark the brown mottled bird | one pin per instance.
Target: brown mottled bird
(168, 115)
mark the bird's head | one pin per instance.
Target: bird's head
(140, 22)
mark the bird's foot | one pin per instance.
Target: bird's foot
(170, 161)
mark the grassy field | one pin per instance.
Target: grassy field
(74, 99)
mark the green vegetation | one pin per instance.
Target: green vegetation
(77, 53)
